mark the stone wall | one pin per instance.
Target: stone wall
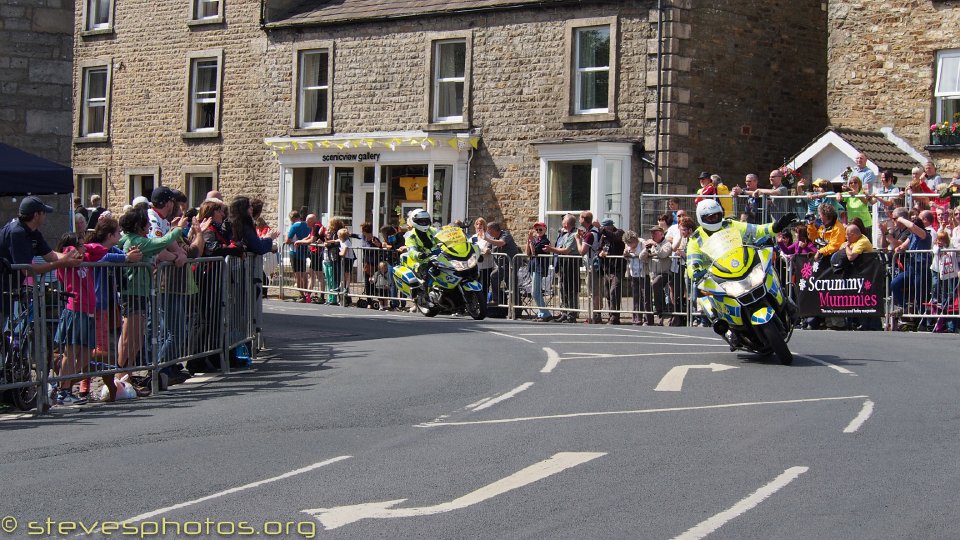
(36, 52)
(745, 82)
(731, 86)
(882, 57)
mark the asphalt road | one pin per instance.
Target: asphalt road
(363, 424)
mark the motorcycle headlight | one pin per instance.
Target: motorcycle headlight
(460, 266)
(749, 282)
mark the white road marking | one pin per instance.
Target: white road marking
(839, 369)
(673, 380)
(639, 411)
(564, 334)
(712, 524)
(509, 336)
(478, 403)
(865, 413)
(552, 360)
(504, 397)
(332, 518)
(589, 355)
(671, 334)
(670, 343)
(148, 515)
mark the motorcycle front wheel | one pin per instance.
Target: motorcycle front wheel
(476, 305)
(423, 305)
(771, 334)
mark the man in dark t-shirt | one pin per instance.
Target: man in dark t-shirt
(21, 241)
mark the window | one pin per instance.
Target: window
(204, 82)
(449, 77)
(568, 190)
(99, 15)
(314, 96)
(198, 185)
(947, 90)
(591, 70)
(591, 176)
(592, 53)
(93, 112)
(206, 9)
(89, 185)
(141, 185)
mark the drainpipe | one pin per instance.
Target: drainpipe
(656, 136)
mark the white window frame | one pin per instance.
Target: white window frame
(438, 81)
(91, 9)
(80, 185)
(573, 71)
(194, 101)
(580, 71)
(940, 97)
(198, 6)
(318, 88)
(602, 157)
(191, 174)
(88, 103)
(134, 177)
(84, 103)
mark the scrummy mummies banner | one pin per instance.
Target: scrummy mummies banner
(824, 291)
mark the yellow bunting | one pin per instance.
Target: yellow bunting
(310, 146)
(474, 142)
(454, 144)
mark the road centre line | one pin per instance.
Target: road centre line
(837, 368)
(504, 397)
(638, 411)
(710, 525)
(670, 334)
(552, 360)
(153, 513)
(594, 334)
(501, 334)
(862, 417)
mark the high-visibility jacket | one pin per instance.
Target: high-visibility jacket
(750, 233)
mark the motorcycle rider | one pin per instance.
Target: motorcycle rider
(710, 217)
(421, 240)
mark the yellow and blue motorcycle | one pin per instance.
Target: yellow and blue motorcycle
(742, 296)
(445, 281)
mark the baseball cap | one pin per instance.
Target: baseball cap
(162, 195)
(703, 174)
(656, 228)
(540, 225)
(31, 205)
(607, 223)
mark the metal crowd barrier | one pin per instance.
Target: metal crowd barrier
(138, 318)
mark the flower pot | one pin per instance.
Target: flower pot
(936, 139)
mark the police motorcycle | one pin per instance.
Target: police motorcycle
(742, 297)
(447, 281)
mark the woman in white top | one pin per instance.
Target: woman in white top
(486, 265)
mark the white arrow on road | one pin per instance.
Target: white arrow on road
(673, 380)
(331, 518)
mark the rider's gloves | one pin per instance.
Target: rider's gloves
(785, 221)
(698, 274)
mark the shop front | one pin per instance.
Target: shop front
(374, 178)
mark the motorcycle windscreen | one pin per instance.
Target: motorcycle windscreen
(722, 242)
(454, 240)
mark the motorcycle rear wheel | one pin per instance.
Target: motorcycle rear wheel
(476, 305)
(771, 334)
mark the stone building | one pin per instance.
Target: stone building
(514, 110)
(897, 65)
(36, 49)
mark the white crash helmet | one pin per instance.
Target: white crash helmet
(710, 214)
(419, 219)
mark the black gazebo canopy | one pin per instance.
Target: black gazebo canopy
(22, 173)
